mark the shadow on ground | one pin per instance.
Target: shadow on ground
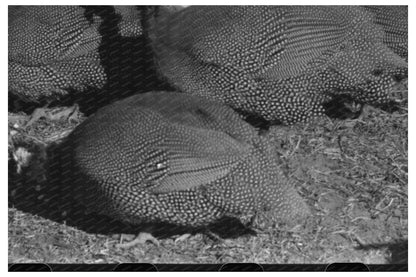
(398, 250)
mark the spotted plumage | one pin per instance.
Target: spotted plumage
(130, 23)
(281, 63)
(58, 50)
(394, 21)
(174, 158)
(52, 49)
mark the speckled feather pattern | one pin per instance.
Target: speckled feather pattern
(55, 50)
(124, 155)
(394, 21)
(52, 49)
(281, 63)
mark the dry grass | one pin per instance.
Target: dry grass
(353, 174)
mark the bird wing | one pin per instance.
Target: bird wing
(267, 42)
(308, 37)
(44, 35)
(189, 157)
(80, 41)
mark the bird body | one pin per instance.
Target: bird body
(281, 63)
(52, 49)
(176, 158)
(56, 51)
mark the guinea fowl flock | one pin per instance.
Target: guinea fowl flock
(187, 156)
